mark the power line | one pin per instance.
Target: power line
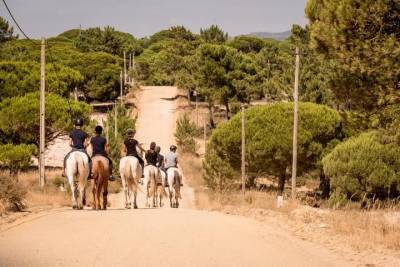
(16, 23)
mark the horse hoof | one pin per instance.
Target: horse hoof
(74, 207)
(135, 207)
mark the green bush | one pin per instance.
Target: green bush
(269, 132)
(185, 133)
(16, 157)
(364, 166)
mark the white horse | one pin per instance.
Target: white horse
(131, 171)
(77, 172)
(174, 183)
(151, 177)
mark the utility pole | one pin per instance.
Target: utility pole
(116, 120)
(197, 109)
(129, 68)
(205, 132)
(295, 123)
(42, 140)
(76, 94)
(243, 153)
(121, 87)
(124, 67)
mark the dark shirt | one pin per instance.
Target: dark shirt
(160, 161)
(130, 145)
(78, 138)
(98, 143)
(151, 157)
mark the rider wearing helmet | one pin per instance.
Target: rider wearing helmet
(130, 145)
(171, 159)
(151, 155)
(78, 140)
(100, 147)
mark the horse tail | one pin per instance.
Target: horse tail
(82, 168)
(153, 182)
(127, 171)
(177, 184)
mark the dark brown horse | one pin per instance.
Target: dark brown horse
(101, 173)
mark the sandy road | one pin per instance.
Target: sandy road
(155, 237)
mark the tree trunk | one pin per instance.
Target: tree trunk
(211, 109)
(188, 97)
(228, 111)
(324, 185)
(281, 185)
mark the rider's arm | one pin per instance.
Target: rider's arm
(141, 148)
(107, 148)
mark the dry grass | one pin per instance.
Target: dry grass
(359, 229)
(50, 195)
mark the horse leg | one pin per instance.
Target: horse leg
(74, 193)
(94, 193)
(98, 192)
(81, 196)
(170, 196)
(134, 199)
(105, 193)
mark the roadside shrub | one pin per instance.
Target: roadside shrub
(185, 133)
(269, 132)
(16, 158)
(367, 165)
(11, 194)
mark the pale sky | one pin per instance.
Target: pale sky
(145, 17)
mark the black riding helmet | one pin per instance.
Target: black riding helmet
(172, 148)
(78, 122)
(130, 132)
(98, 129)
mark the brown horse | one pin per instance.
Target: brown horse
(101, 173)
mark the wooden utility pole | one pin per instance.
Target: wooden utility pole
(124, 67)
(205, 132)
(295, 123)
(243, 153)
(197, 109)
(129, 68)
(121, 87)
(76, 94)
(42, 140)
(116, 120)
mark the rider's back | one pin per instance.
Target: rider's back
(98, 143)
(130, 145)
(171, 160)
(78, 137)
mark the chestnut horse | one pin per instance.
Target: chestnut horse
(101, 173)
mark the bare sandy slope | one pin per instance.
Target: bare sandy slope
(155, 237)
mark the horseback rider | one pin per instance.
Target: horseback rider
(171, 159)
(152, 159)
(130, 145)
(78, 141)
(151, 155)
(161, 164)
(100, 148)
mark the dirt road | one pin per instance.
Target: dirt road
(155, 237)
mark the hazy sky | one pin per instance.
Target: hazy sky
(145, 17)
